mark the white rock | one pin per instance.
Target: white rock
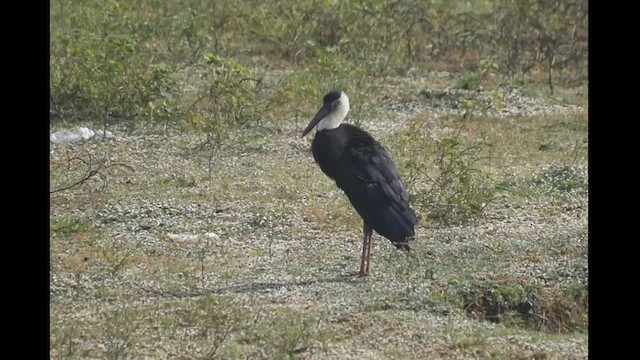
(212, 236)
(71, 135)
(191, 238)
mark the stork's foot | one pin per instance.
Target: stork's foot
(358, 274)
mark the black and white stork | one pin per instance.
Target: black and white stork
(361, 167)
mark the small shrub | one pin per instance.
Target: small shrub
(214, 320)
(120, 332)
(449, 185)
(226, 99)
(282, 337)
(230, 96)
(68, 225)
(470, 81)
(526, 306)
(117, 255)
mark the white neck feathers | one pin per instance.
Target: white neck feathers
(335, 117)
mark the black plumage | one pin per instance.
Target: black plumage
(363, 169)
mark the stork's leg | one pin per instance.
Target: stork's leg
(368, 232)
(364, 253)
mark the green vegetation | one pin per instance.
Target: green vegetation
(459, 188)
(526, 306)
(481, 104)
(207, 64)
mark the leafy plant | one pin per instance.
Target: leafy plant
(525, 306)
(117, 256)
(283, 337)
(229, 98)
(104, 71)
(126, 63)
(215, 319)
(120, 329)
(448, 184)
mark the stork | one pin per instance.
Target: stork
(361, 167)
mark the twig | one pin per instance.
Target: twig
(91, 174)
(95, 168)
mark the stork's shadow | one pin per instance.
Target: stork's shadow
(255, 287)
(265, 286)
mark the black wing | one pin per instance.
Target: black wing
(374, 167)
(373, 184)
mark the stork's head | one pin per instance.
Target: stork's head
(333, 111)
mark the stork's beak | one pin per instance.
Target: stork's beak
(324, 111)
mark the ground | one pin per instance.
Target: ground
(265, 275)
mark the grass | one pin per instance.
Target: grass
(207, 102)
(286, 237)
